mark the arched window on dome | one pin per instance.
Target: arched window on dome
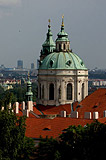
(51, 91)
(69, 91)
(83, 91)
(43, 92)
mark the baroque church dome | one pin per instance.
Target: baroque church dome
(62, 60)
(62, 75)
(60, 56)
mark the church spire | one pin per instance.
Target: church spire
(62, 41)
(62, 25)
(29, 94)
(49, 45)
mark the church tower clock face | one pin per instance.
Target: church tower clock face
(62, 75)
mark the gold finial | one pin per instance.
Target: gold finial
(62, 21)
(49, 23)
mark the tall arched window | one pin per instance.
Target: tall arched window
(51, 91)
(59, 47)
(83, 91)
(43, 92)
(69, 91)
(64, 46)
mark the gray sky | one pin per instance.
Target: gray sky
(23, 28)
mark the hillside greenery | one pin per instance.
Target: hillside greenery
(18, 92)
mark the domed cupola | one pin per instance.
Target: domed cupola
(62, 42)
(62, 74)
(49, 45)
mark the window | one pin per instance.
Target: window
(83, 91)
(51, 63)
(59, 47)
(68, 63)
(64, 46)
(51, 91)
(69, 91)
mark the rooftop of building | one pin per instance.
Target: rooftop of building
(37, 126)
(51, 127)
(96, 102)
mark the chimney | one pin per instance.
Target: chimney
(23, 105)
(95, 115)
(87, 115)
(30, 105)
(63, 113)
(16, 107)
(104, 113)
(74, 114)
(26, 113)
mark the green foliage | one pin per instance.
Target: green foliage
(80, 143)
(17, 93)
(13, 143)
(48, 149)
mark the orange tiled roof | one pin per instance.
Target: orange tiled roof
(96, 102)
(50, 127)
(47, 110)
(36, 110)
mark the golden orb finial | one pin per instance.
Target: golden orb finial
(62, 21)
(49, 23)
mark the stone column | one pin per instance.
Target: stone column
(63, 92)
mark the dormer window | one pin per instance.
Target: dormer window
(51, 63)
(68, 62)
(82, 63)
(46, 129)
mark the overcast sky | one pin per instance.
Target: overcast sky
(23, 28)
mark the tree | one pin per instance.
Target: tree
(13, 143)
(48, 149)
(77, 143)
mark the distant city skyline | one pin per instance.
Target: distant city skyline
(24, 24)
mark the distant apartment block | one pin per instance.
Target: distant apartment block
(98, 82)
(20, 64)
(32, 66)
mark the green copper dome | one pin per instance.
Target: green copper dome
(62, 60)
